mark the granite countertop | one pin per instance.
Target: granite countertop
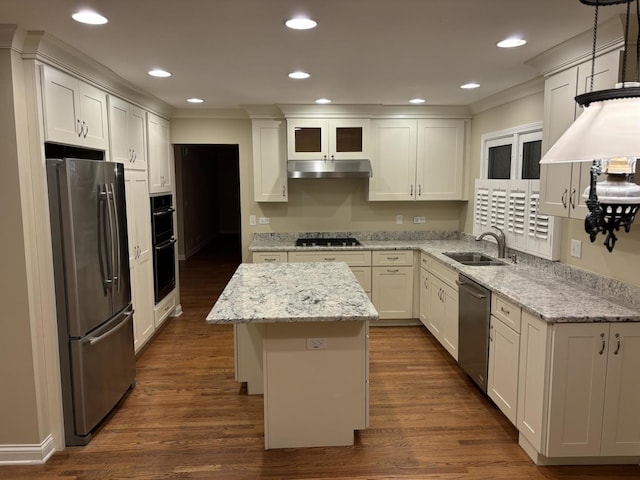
(540, 291)
(292, 292)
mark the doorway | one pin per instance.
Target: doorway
(208, 201)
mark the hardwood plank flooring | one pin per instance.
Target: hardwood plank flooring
(188, 419)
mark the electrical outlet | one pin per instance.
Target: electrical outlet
(419, 220)
(316, 343)
(399, 220)
(252, 219)
(263, 220)
(576, 248)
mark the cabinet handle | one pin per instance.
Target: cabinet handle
(329, 259)
(426, 285)
(267, 260)
(491, 333)
(604, 344)
(85, 129)
(572, 198)
(564, 198)
(78, 128)
(135, 155)
(419, 190)
(411, 191)
(617, 344)
(284, 190)
(505, 311)
(324, 157)
(393, 258)
(392, 270)
(333, 158)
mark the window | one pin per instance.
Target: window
(512, 154)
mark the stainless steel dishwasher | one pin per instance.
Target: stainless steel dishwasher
(474, 315)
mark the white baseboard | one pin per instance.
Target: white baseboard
(27, 454)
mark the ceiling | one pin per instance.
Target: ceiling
(238, 52)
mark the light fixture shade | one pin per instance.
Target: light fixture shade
(606, 129)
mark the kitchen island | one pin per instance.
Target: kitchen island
(308, 328)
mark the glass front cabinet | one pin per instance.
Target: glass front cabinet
(327, 139)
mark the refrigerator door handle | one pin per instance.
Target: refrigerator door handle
(116, 236)
(108, 333)
(111, 232)
(104, 236)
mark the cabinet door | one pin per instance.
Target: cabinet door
(579, 360)
(436, 318)
(160, 169)
(349, 139)
(269, 161)
(440, 159)
(393, 160)
(559, 113)
(118, 119)
(621, 423)
(532, 379)
(424, 297)
(392, 291)
(307, 139)
(451, 326)
(137, 135)
(61, 107)
(142, 300)
(93, 109)
(502, 382)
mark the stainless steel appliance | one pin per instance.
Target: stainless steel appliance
(474, 316)
(93, 295)
(164, 263)
(327, 242)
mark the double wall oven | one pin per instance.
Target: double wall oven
(164, 264)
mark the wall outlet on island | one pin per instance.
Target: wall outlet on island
(316, 343)
(419, 220)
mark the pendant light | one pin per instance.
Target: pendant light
(608, 135)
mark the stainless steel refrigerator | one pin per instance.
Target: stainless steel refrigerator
(93, 294)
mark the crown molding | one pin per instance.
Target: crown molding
(211, 113)
(518, 92)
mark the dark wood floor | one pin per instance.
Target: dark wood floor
(188, 419)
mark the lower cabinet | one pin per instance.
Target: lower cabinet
(270, 257)
(441, 312)
(579, 389)
(392, 284)
(142, 300)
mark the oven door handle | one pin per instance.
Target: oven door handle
(164, 245)
(164, 212)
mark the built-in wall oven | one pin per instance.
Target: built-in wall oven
(164, 264)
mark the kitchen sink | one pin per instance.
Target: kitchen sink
(474, 259)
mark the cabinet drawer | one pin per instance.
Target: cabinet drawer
(509, 313)
(392, 257)
(354, 258)
(270, 257)
(425, 261)
(446, 274)
(163, 309)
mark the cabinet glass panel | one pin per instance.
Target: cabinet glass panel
(349, 139)
(531, 153)
(308, 139)
(500, 162)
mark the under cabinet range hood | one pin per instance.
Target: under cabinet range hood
(329, 169)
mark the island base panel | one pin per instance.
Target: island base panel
(248, 355)
(314, 397)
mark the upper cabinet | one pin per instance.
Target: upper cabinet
(75, 112)
(417, 159)
(160, 164)
(562, 185)
(128, 134)
(269, 161)
(328, 139)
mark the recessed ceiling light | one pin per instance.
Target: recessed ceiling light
(469, 86)
(323, 100)
(417, 101)
(300, 23)
(299, 75)
(511, 43)
(89, 17)
(195, 100)
(158, 72)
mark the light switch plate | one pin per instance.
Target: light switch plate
(576, 248)
(252, 219)
(399, 220)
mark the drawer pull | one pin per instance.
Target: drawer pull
(617, 344)
(393, 258)
(329, 259)
(392, 270)
(604, 344)
(505, 311)
(269, 259)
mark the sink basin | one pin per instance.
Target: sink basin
(474, 259)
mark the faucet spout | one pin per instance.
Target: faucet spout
(499, 237)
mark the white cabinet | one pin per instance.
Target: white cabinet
(578, 388)
(441, 313)
(160, 163)
(127, 127)
(425, 310)
(392, 283)
(269, 161)
(75, 112)
(417, 159)
(328, 139)
(562, 185)
(140, 255)
(504, 353)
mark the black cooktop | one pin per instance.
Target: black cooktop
(327, 242)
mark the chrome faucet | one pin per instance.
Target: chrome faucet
(500, 238)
